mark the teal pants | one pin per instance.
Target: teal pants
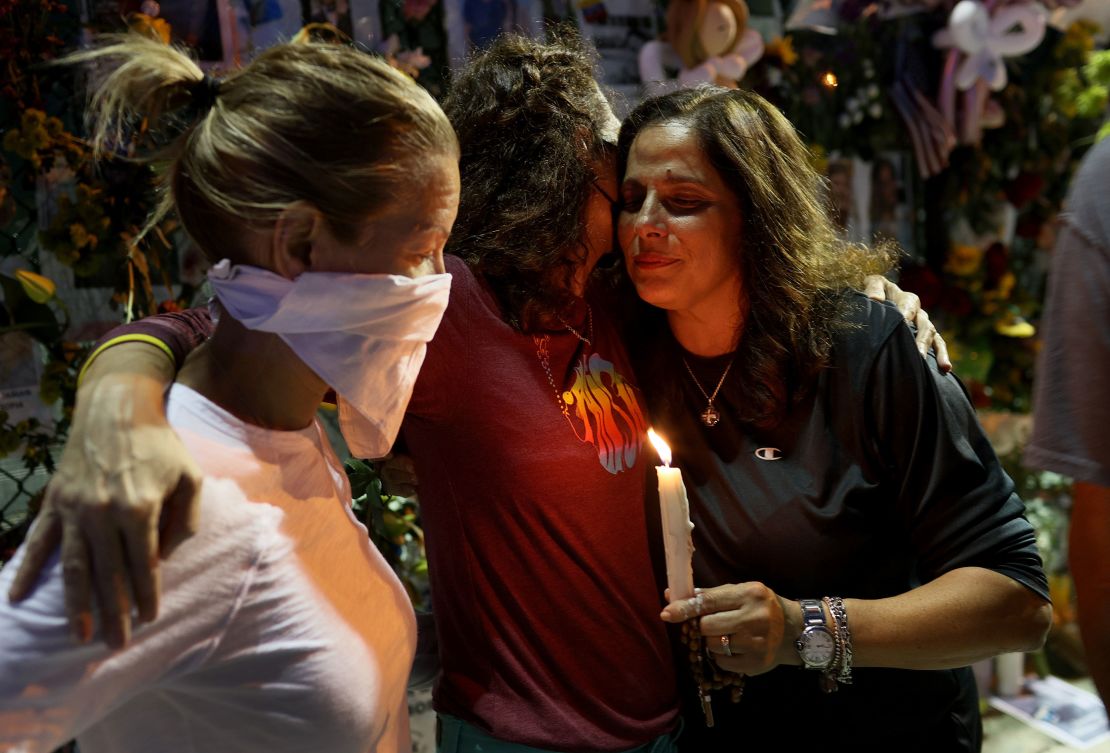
(456, 736)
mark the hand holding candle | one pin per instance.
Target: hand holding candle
(677, 528)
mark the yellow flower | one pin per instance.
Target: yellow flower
(32, 118)
(54, 127)
(963, 260)
(39, 138)
(1081, 35)
(162, 29)
(155, 28)
(79, 235)
(783, 49)
(11, 140)
(38, 288)
(1006, 285)
(1014, 325)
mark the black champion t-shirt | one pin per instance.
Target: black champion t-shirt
(879, 481)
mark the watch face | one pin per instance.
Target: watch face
(818, 647)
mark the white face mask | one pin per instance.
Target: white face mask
(365, 335)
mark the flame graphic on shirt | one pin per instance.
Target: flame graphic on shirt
(609, 412)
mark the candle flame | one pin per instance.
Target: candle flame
(660, 447)
(829, 80)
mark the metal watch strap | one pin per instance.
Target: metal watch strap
(812, 613)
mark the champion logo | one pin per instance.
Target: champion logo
(769, 453)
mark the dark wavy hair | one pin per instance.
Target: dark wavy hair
(794, 266)
(531, 122)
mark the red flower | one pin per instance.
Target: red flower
(1029, 226)
(980, 393)
(923, 281)
(956, 301)
(1024, 188)
(997, 261)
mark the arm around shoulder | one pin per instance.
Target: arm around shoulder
(122, 463)
(984, 590)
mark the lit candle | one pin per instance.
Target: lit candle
(675, 509)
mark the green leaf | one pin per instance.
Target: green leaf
(37, 319)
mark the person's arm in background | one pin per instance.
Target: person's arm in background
(1071, 407)
(926, 336)
(123, 457)
(1089, 558)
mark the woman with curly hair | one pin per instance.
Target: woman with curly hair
(524, 425)
(853, 530)
(526, 429)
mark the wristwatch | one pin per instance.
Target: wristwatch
(816, 645)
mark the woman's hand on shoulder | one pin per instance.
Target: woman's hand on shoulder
(878, 288)
(124, 494)
(757, 623)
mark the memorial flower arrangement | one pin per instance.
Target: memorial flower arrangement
(53, 200)
(863, 79)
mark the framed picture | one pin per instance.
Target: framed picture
(618, 29)
(334, 12)
(217, 30)
(473, 24)
(892, 208)
(849, 191)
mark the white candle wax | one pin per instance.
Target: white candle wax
(677, 529)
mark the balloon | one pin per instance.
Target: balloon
(985, 39)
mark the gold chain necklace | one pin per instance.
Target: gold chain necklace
(589, 326)
(710, 416)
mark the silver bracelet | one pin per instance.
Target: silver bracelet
(843, 639)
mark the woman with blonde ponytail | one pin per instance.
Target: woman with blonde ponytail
(322, 184)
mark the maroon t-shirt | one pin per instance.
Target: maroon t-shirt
(546, 603)
(533, 505)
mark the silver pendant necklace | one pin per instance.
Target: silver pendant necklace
(710, 416)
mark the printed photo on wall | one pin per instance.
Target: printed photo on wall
(334, 12)
(619, 28)
(209, 28)
(849, 189)
(473, 24)
(892, 205)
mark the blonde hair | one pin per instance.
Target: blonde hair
(684, 20)
(311, 122)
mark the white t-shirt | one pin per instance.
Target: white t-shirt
(281, 627)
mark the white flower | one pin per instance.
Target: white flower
(875, 110)
(873, 91)
(844, 120)
(857, 116)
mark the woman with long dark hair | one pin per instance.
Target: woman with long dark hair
(856, 540)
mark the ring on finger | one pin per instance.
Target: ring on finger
(726, 646)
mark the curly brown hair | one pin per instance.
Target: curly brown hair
(531, 123)
(794, 267)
